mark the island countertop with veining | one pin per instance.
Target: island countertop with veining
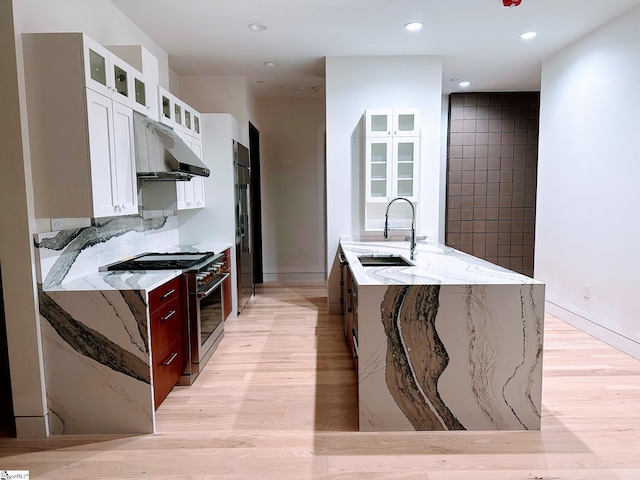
(434, 264)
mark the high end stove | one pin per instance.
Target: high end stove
(163, 261)
(204, 275)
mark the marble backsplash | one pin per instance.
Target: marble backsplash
(67, 255)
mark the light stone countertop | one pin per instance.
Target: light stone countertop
(130, 280)
(435, 264)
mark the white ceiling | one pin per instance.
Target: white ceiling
(477, 39)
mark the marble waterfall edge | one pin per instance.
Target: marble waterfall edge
(95, 328)
(97, 373)
(451, 357)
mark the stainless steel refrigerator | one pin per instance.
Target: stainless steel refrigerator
(244, 233)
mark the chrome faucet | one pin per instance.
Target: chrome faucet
(413, 224)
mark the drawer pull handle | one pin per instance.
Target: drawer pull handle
(169, 293)
(168, 315)
(354, 335)
(169, 360)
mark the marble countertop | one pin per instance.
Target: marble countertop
(106, 281)
(130, 280)
(434, 264)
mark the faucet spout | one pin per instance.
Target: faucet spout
(413, 224)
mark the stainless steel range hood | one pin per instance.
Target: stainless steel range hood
(161, 154)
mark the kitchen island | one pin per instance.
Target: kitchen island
(450, 342)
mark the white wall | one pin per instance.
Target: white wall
(220, 94)
(588, 223)
(293, 199)
(292, 170)
(354, 84)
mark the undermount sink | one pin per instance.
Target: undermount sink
(384, 261)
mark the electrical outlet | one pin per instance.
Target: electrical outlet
(56, 224)
(354, 140)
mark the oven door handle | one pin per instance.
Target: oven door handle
(210, 290)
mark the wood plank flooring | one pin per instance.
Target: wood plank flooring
(277, 401)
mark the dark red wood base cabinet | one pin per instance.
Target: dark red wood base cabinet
(168, 353)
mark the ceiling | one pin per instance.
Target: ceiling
(477, 39)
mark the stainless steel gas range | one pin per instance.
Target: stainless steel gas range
(203, 272)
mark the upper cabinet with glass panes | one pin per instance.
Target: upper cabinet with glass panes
(106, 73)
(177, 114)
(391, 162)
(145, 77)
(397, 122)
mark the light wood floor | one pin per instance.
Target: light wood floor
(277, 402)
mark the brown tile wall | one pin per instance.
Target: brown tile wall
(491, 176)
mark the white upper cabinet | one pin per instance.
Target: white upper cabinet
(107, 74)
(395, 122)
(111, 154)
(143, 92)
(145, 77)
(405, 167)
(165, 104)
(390, 156)
(392, 146)
(80, 131)
(378, 169)
(178, 115)
(190, 194)
(391, 168)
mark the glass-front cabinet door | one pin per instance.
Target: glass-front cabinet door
(403, 122)
(196, 125)
(406, 122)
(378, 169)
(97, 69)
(107, 74)
(121, 81)
(378, 123)
(405, 167)
(177, 114)
(166, 108)
(141, 94)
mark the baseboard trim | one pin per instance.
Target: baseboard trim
(32, 427)
(614, 339)
(295, 277)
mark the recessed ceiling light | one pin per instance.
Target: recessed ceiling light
(528, 35)
(414, 26)
(257, 27)
(465, 84)
(271, 63)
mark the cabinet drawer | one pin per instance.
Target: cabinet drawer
(166, 325)
(167, 369)
(226, 297)
(165, 293)
(226, 260)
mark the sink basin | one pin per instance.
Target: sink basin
(384, 261)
